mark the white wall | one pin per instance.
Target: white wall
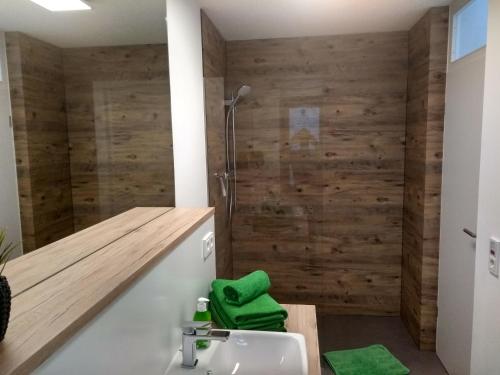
(188, 104)
(9, 201)
(140, 332)
(486, 327)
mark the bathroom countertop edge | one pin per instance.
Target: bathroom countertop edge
(302, 319)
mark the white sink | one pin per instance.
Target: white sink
(249, 353)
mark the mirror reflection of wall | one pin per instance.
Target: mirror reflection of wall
(9, 202)
(90, 103)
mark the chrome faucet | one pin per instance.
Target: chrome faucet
(194, 331)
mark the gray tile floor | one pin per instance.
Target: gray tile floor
(337, 332)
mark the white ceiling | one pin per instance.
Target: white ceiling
(122, 22)
(258, 19)
(110, 22)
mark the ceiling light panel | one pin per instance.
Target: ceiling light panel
(62, 5)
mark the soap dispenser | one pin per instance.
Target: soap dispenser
(202, 315)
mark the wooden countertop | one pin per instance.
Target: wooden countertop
(29, 270)
(302, 319)
(59, 288)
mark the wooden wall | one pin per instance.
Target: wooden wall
(214, 70)
(428, 44)
(92, 133)
(320, 168)
(118, 110)
(41, 140)
(214, 49)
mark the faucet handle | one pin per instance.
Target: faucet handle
(191, 328)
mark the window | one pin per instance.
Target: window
(469, 28)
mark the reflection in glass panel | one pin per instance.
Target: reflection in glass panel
(128, 162)
(92, 127)
(304, 128)
(134, 162)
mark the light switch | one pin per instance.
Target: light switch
(208, 245)
(493, 260)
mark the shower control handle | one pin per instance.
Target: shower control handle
(222, 181)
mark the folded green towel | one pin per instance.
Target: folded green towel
(271, 323)
(221, 323)
(247, 288)
(263, 311)
(372, 360)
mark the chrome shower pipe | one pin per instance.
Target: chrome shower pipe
(228, 178)
(230, 171)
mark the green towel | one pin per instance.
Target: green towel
(372, 360)
(260, 325)
(247, 288)
(276, 326)
(263, 313)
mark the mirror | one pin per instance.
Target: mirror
(84, 116)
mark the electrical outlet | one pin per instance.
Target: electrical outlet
(208, 245)
(493, 260)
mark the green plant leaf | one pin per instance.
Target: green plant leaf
(5, 251)
(5, 255)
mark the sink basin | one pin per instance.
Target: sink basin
(249, 353)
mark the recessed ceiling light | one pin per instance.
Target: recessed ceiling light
(62, 5)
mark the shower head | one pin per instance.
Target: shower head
(244, 90)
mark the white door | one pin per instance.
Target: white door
(9, 201)
(462, 143)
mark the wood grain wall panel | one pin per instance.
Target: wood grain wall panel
(320, 168)
(118, 109)
(214, 49)
(41, 140)
(214, 67)
(14, 60)
(428, 43)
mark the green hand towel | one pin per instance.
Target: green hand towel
(218, 315)
(221, 323)
(229, 314)
(372, 360)
(274, 322)
(262, 311)
(247, 288)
